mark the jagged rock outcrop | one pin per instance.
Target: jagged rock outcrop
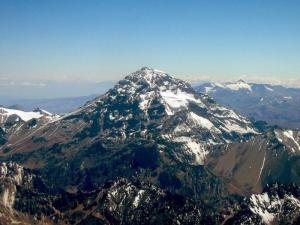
(278, 204)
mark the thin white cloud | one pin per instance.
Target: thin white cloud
(33, 84)
(5, 82)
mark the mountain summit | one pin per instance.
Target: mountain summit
(151, 104)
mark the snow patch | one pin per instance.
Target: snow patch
(290, 135)
(179, 99)
(201, 121)
(268, 88)
(145, 100)
(262, 167)
(198, 150)
(137, 198)
(234, 127)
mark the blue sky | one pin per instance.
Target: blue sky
(84, 40)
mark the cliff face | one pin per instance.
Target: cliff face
(11, 175)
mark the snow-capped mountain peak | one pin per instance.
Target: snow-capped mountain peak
(25, 116)
(148, 84)
(239, 85)
(147, 74)
(155, 79)
(150, 103)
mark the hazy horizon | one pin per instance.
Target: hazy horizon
(11, 90)
(96, 41)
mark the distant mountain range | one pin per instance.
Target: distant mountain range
(30, 97)
(151, 150)
(277, 105)
(55, 105)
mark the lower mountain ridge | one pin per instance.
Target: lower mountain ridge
(149, 151)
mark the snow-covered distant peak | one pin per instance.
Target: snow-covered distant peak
(232, 86)
(240, 84)
(25, 116)
(5, 113)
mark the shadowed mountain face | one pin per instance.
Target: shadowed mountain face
(149, 151)
(277, 105)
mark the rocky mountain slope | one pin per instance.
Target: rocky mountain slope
(266, 159)
(274, 104)
(149, 151)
